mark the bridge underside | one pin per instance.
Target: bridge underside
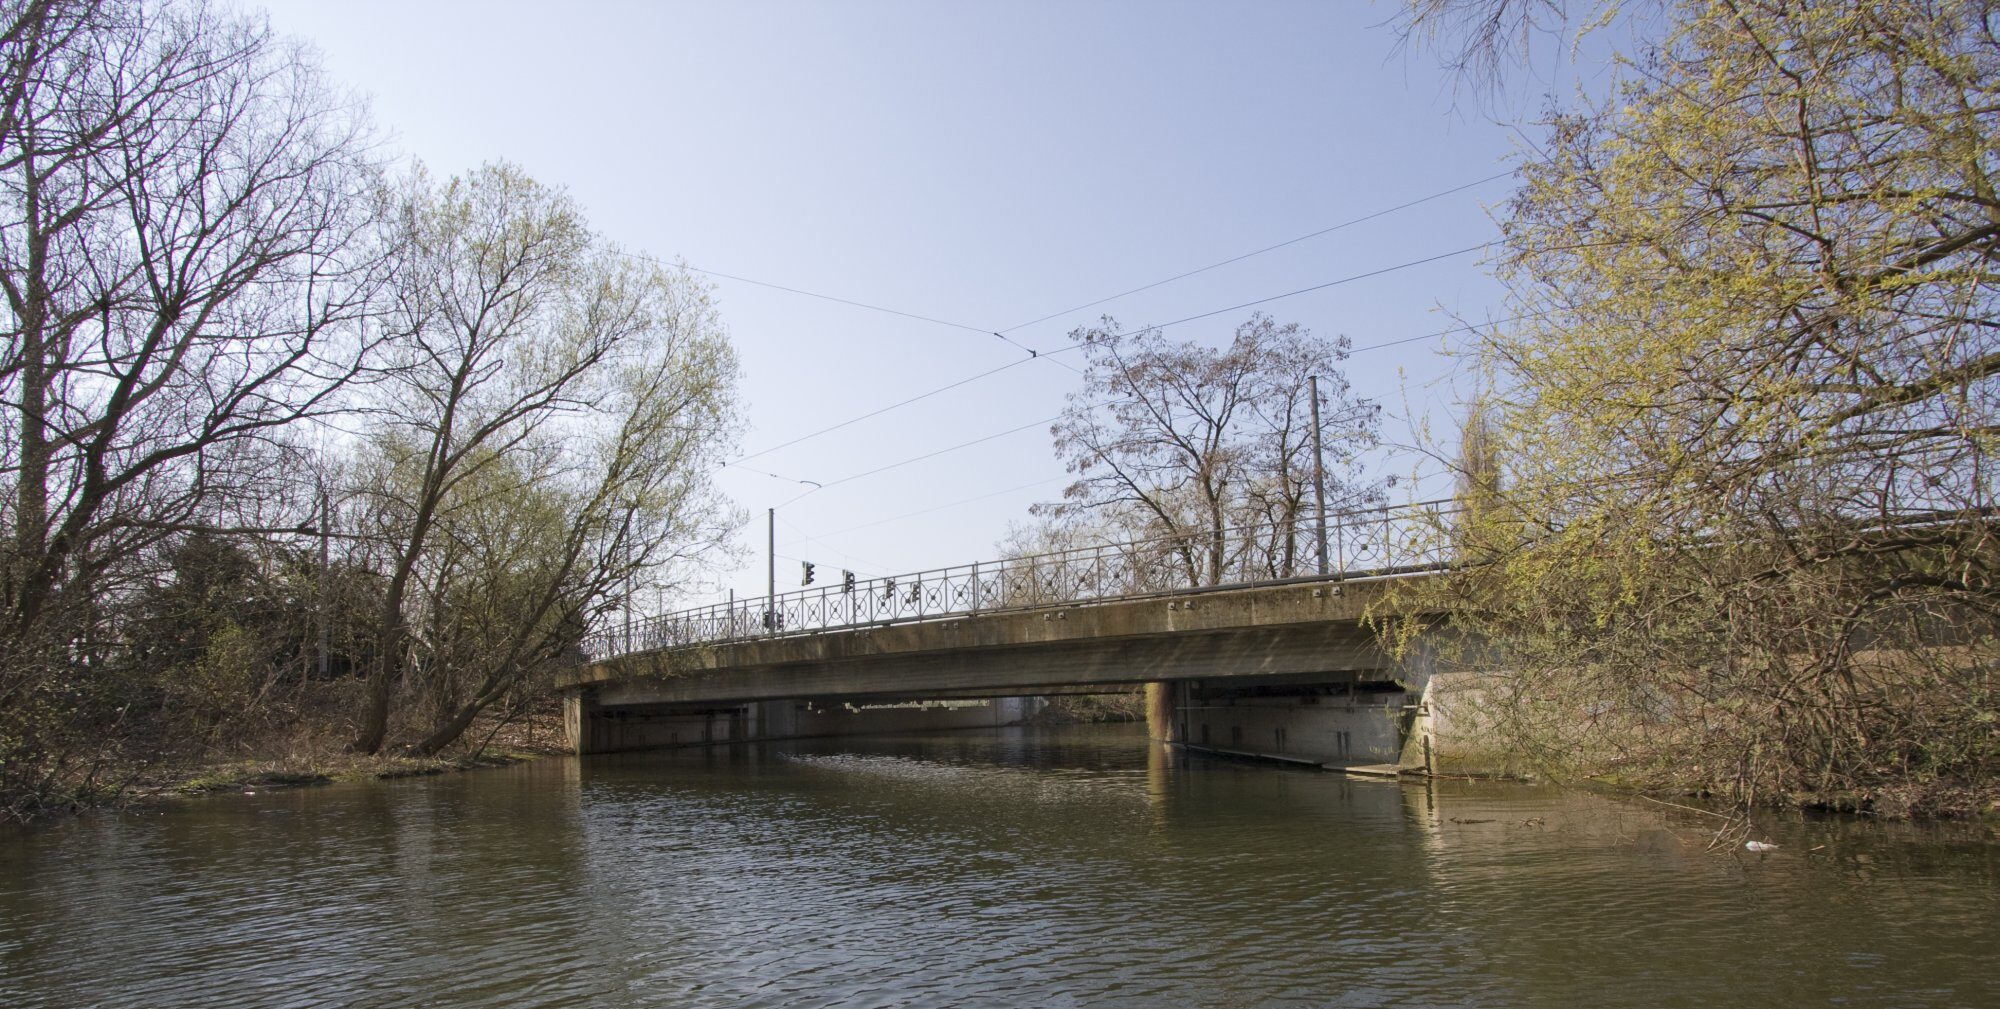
(1266, 650)
(1313, 651)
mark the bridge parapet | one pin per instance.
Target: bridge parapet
(1366, 542)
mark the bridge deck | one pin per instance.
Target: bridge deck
(1295, 627)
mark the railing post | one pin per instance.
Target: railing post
(975, 587)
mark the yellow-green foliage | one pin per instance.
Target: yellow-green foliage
(1745, 418)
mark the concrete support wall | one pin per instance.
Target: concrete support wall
(1162, 721)
(1336, 725)
(1455, 732)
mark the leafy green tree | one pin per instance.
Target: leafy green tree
(1746, 417)
(544, 437)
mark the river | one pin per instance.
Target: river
(1061, 867)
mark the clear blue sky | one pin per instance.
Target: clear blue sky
(985, 164)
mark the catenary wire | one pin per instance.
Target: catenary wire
(1075, 346)
(1269, 248)
(1461, 328)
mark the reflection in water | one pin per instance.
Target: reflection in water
(1006, 868)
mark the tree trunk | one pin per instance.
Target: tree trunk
(390, 633)
(392, 642)
(28, 583)
(452, 728)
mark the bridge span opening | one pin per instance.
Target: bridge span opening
(1287, 670)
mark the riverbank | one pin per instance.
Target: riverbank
(1091, 709)
(321, 760)
(1905, 800)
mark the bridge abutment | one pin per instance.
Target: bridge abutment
(1162, 719)
(1336, 724)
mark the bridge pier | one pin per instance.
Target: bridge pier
(1162, 719)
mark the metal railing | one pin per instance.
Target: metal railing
(1369, 541)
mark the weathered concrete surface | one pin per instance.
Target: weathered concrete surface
(1455, 730)
(1287, 671)
(1333, 725)
(1269, 631)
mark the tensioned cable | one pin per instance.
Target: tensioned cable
(883, 410)
(1462, 328)
(1269, 248)
(656, 261)
(1002, 333)
(1064, 350)
(920, 458)
(942, 507)
(1321, 287)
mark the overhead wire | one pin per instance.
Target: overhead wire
(823, 537)
(1074, 346)
(1035, 354)
(920, 458)
(815, 294)
(1460, 328)
(1321, 287)
(1032, 352)
(983, 331)
(878, 412)
(937, 508)
(1269, 248)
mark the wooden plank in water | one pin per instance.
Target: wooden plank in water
(1374, 770)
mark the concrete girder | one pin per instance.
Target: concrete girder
(1294, 629)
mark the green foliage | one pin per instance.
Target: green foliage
(541, 449)
(1747, 415)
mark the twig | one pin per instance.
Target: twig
(1691, 809)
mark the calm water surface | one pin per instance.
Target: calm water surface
(1060, 867)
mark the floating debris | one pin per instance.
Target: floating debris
(1759, 846)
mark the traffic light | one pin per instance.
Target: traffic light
(807, 566)
(846, 581)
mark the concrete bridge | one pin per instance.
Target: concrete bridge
(1268, 664)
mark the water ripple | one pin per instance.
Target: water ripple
(1003, 869)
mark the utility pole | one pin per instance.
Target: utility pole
(1319, 472)
(771, 570)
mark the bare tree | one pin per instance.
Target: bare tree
(1212, 447)
(185, 253)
